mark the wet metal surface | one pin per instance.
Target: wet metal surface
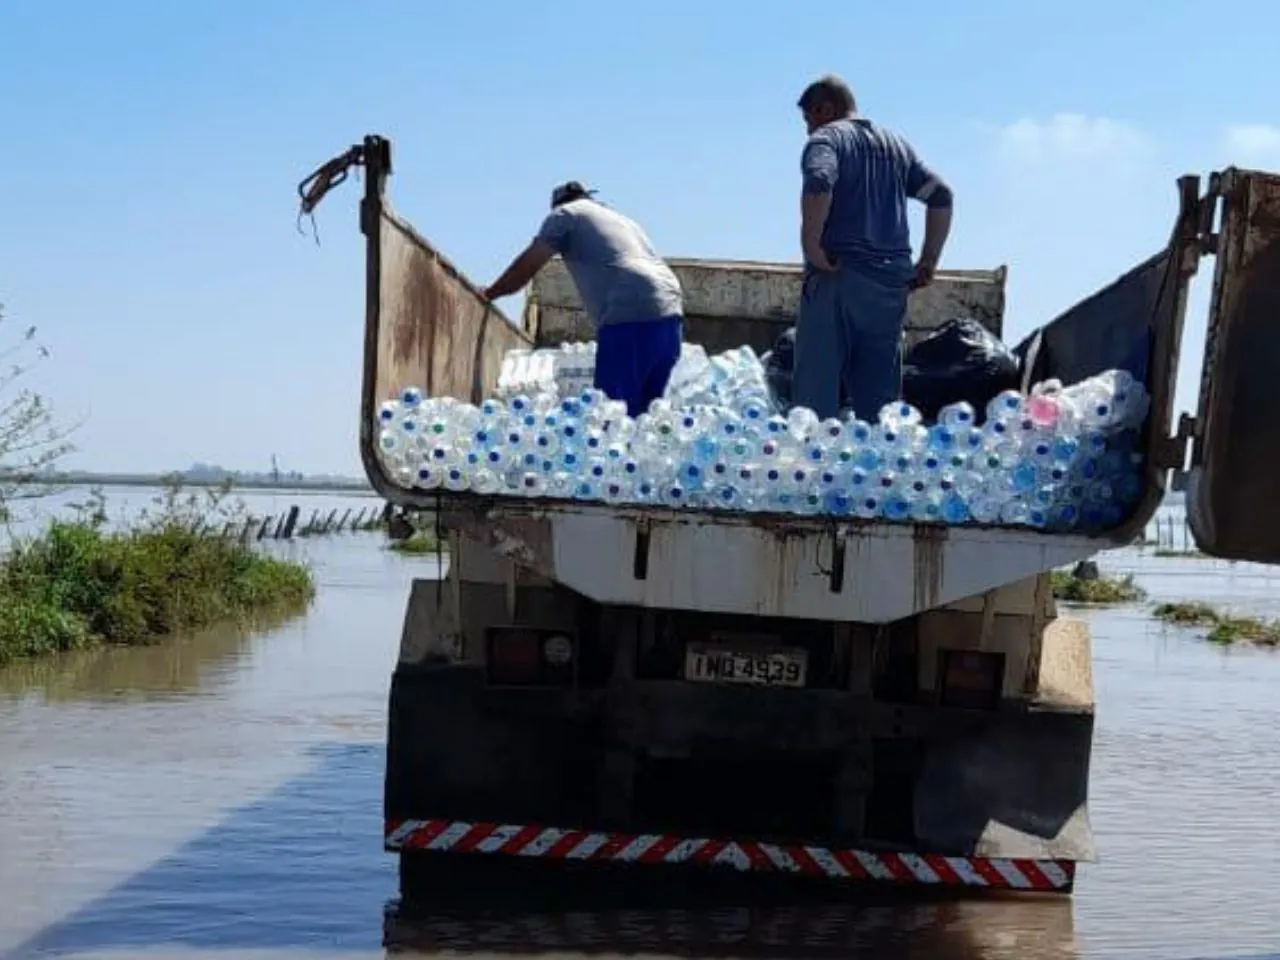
(221, 797)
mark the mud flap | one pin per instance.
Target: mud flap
(1018, 789)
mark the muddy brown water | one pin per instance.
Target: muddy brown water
(220, 796)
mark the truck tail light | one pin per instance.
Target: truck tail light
(528, 656)
(970, 679)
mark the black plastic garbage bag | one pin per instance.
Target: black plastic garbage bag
(778, 364)
(961, 360)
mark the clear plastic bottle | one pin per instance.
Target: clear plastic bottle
(672, 495)
(1014, 511)
(1006, 405)
(984, 508)
(615, 490)
(896, 506)
(830, 432)
(837, 503)
(867, 506)
(957, 416)
(691, 475)
(928, 508)
(725, 496)
(954, 509)
(801, 423)
(585, 488)
(899, 413)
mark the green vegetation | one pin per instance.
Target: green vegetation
(79, 584)
(420, 544)
(415, 535)
(1067, 586)
(1220, 627)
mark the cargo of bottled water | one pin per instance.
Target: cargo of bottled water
(1060, 458)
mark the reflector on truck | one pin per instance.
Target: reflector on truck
(740, 855)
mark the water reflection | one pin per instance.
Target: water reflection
(170, 666)
(982, 929)
(301, 871)
(221, 796)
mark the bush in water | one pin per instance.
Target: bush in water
(78, 583)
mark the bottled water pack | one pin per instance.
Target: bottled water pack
(1062, 458)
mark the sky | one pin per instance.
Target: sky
(148, 213)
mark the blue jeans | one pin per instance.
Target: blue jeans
(849, 339)
(634, 360)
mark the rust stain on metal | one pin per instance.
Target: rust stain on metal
(929, 542)
(527, 541)
(435, 330)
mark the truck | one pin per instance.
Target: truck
(578, 688)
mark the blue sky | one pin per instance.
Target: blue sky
(147, 207)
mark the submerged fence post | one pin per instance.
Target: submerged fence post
(290, 521)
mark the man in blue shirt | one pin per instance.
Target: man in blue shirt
(857, 252)
(629, 292)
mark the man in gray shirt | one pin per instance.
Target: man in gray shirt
(858, 177)
(628, 291)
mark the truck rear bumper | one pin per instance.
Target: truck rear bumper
(567, 845)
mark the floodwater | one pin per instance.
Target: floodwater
(220, 796)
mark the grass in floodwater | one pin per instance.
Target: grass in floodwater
(77, 584)
(420, 544)
(1102, 589)
(1220, 627)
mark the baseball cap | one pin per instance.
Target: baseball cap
(572, 190)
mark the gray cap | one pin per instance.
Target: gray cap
(572, 190)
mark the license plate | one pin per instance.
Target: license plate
(709, 663)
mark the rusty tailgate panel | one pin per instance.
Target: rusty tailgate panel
(1235, 467)
(426, 324)
(433, 329)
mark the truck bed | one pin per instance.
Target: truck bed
(775, 565)
(428, 326)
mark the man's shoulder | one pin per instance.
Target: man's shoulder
(856, 132)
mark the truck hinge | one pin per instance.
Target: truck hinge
(1171, 452)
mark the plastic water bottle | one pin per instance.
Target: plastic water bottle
(1061, 457)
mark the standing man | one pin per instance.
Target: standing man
(857, 252)
(629, 292)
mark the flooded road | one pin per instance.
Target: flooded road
(221, 797)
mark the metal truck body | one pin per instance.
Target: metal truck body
(842, 699)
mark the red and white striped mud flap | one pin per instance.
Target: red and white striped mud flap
(559, 843)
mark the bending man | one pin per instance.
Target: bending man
(629, 292)
(857, 251)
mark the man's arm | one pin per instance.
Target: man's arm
(521, 270)
(931, 190)
(820, 168)
(553, 237)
